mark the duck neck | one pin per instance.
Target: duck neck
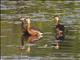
(57, 22)
(29, 25)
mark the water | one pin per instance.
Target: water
(41, 14)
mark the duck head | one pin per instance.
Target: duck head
(28, 20)
(57, 19)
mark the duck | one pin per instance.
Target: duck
(32, 31)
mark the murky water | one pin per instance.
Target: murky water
(41, 13)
